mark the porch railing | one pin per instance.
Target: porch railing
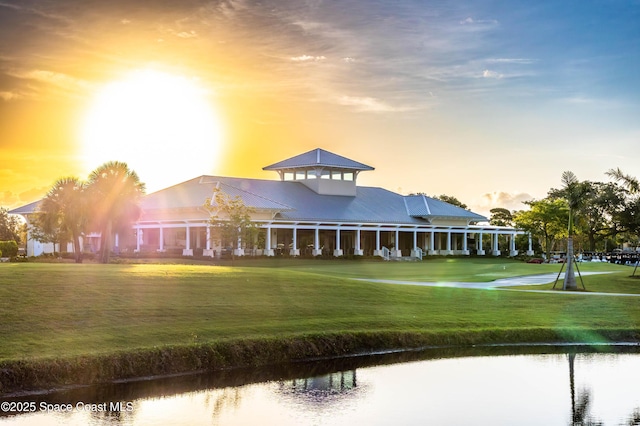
(386, 253)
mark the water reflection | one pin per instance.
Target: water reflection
(579, 410)
(323, 392)
(450, 386)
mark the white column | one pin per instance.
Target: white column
(378, 250)
(161, 246)
(415, 250)
(207, 251)
(465, 248)
(316, 242)
(239, 251)
(530, 250)
(448, 250)
(295, 251)
(396, 252)
(512, 245)
(138, 239)
(496, 248)
(338, 251)
(432, 243)
(268, 250)
(358, 250)
(479, 249)
(188, 251)
(117, 242)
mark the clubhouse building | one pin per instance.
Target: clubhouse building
(315, 208)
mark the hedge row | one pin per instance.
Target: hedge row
(8, 248)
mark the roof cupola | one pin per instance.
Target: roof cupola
(322, 171)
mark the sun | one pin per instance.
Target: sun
(162, 125)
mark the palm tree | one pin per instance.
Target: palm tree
(573, 192)
(63, 211)
(579, 409)
(115, 196)
(632, 184)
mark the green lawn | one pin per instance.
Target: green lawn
(62, 310)
(437, 269)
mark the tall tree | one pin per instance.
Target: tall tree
(574, 192)
(601, 204)
(451, 200)
(115, 194)
(9, 227)
(630, 182)
(500, 217)
(629, 216)
(546, 219)
(63, 212)
(230, 220)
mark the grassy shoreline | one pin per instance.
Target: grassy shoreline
(38, 375)
(78, 324)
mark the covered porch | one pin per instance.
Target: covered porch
(189, 238)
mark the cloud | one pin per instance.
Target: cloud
(471, 21)
(368, 104)
(492, 74)
(507, 200)
(11, 200)
(9, 96)
(308, 58)
(32, 194)
(8, 198)
(578, 100)
(230, 8)
(52, 78)
(523, 61)
(187, 34)
(55, 78)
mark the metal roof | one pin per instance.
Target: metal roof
(26, 209)
(417, 205)
(293, 201)
(318, 158)
(441, 209)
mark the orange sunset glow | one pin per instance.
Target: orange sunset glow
(433, 96)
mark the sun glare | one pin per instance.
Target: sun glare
(162, 125)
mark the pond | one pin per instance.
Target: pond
(497, 386)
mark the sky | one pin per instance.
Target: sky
(487, 101)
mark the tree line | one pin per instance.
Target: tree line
(597, 214)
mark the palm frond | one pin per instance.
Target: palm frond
(632, 184)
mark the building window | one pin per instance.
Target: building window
(288, 175)
(325, 174)
(347, 176)
(300, 175)
(336, 175)
(311, 174)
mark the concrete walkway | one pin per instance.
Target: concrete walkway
(508, 282)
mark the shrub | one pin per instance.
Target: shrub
(9, 248)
